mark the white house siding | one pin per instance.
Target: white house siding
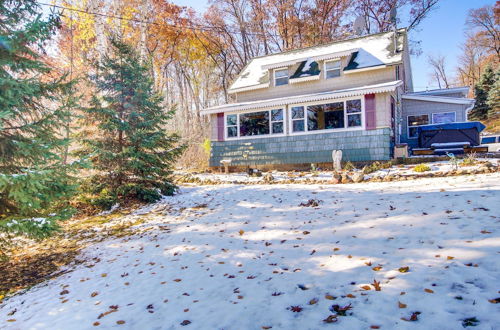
(345, 81)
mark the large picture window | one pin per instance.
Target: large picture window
(325, 116)
(443, 117)
(255, 123)
(414, 122)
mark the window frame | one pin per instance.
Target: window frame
(276, 78)
(408, 124)
(238, 137)
(441, 113)
(339, 68)
(330, 130)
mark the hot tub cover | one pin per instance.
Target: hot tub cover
(465, 125)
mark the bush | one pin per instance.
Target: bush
(348, 166)
(421, 168)
(470, 160)
(375, 166)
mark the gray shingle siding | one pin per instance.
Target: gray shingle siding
(418, 107)
(299, 149)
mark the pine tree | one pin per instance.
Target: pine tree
(494, 97)
(127, 142)
(481, 90)
(34, 183)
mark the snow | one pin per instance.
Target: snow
(378, 46)
(239, 256)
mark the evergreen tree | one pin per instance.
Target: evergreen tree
(481, 90)
(34, 182)
(494, 97)
(127, 142)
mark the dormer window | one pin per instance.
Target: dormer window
(332, 69)
(281, 77)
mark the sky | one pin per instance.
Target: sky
(442, 32)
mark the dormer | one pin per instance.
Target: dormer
(344, 64)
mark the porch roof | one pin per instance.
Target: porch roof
(356, 91)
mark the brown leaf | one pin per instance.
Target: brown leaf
(95, 324)
(120, 322)
(331, 319)
(377, 268)
(93, 294)
(177, 280)
(376, 285)
(485, 232)
(450, 257)
(374, 327)
(428, 290)
(313, 301)
(330, 297)
(401, 305)
(241, 232)
(405, 269)
(349, 295)
(366, 287)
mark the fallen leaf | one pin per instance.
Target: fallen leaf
(296, 309)
(331, 319)
(376, 285)
(485, 232)
(377, 268)
(374, 327)
(93, 294)
(401, 305)
(104, 275)
(366, 287)
(313, 301)
(450, 257)
(404, 269)
(120, 322)
(305, 232)
(241, 232)
(494, 301)
(428, 290)
(185, 322)
(95, 324)
(177, 280)
(330, 297)
(349, 295)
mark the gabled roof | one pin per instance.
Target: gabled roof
(298, 99)
(370, 51)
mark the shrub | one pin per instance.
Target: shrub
(349, 166)
(469, 160)
(421, 168)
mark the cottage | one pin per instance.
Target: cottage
(295, 107)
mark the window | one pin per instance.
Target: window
(489, 139)
(298, 119)
(277, 121)
(232, 125)
(281, 77)
(353, 109)
(255, 123)
(443, 118)
(414, 122)
(325, 116)
(332, 69)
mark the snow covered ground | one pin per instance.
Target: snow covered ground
(437, 168)
(252, 257)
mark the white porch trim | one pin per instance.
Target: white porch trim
(297, 99)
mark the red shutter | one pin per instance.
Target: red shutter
(370, 111)
(220, 126)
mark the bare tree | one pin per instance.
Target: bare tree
(439, 74)
(486, 29)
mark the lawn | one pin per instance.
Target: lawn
(416, 254)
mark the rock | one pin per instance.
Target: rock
(268, 177)
(346, 178)
(358, 177)
(336, 178)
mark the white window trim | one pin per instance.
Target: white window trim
(440, 113)
(238, 137)
(331, 130)
(332, 60)
(287, 76)
(408, 126)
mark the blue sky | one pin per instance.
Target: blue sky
(442, 32)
